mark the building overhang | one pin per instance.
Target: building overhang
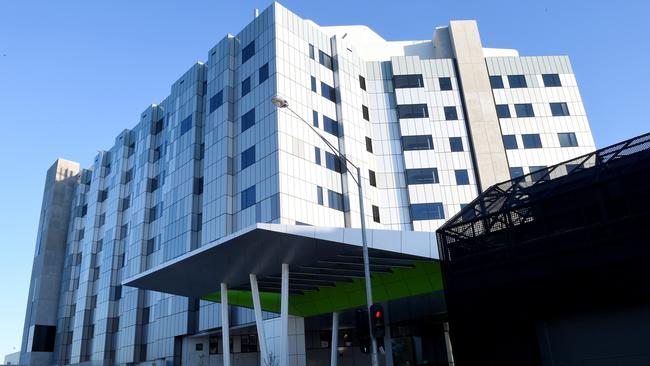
(326, 267)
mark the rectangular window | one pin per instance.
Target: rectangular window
(365, 113)
(248, 157)
(125, 203)
(412, 111)
(197, 186)
(335, 200)
(427, 211)
(158, 126)
(539, 173)
(331, 126)
(567, 139)
(153, 184)
(263, 73)
(456, 144)
(417, 142)
(510, 142)
(551, 80)
(313, 84)
(325, 60)
(372, 177)
(315, 118)
(559, 109)
(517, 81)
(496, 82)
(319, 195)
(451, 114)
(516, 172)
(102, 195)
(248, 197)
(43, 338)
(248, 52)
(246, 86)
(375, 214)
(362, 82)
(462, 177)
(531, 141)
(128, 176)
(186, 125)
(503, 111)
(368, 144)
(333, 162)
(317, 155)
(328, 92)
(524, 110)
(311, 51)
(216, 101)
(408, 81)
(422, 176)
(445, 83)
(248, 120)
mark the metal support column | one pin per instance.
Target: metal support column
(284, 316)
(335, 338)
(225, 325)
(259, 321)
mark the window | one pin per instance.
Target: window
(102, 195)
(158, 126)
(516, 172)
(462, 177)
(567, 139)
(248, 52)
(315, 118)
(559, 109)
(247, 157)
(503, 111)
(427, 211)
(510, 142)
(422, 176)
(246, 86)
(116, 293)
(248, 120)
(125, 203)
(517, 81)
(248, 197)
(155, 212)
(375, 214)
(43, 338)
(263, 73)
(145, 315)
(362, 82)
(539, 173)
(531, 141)
(311, 51)
(335, 200)
(524, 110)
(216, 101)
(325, 60)
(456, 144)
(328, 92)
(408, 81)
(417, 142)
(496, 82)
(570, 168)
(124, 231)
(451, 114)
(152, 184)
(412, 111)
(128, 176)
(332, 162)
(317, 155)
(551, 80)
(313, 84)
(365, 112)
(372, 177)
(330, 126)
(84, 210)
(319, 195)
(368, 144)
(101, 220)
(445, 83)
(186, 125)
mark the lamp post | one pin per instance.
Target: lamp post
(283, 103)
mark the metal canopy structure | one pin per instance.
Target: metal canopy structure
(325, 266)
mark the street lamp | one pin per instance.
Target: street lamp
(283, 103)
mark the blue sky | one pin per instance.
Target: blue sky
(74, 74)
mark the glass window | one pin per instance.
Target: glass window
(451, 114)
(551, 80)
(365, 113)
(531, 141)
(216, 101)
(517, 81)
(445, 83)
(408, 81)
(516, 171)
(368, 144)
(417, 142)
(317, 155)
(248, 197)
(311, 51)
(462, 177)
(422, 176)
(524, 110)
(102, 195)
(567, 139)
(333, 162)
(539, 173)
(186, 125)
(510, 142)
(362, 82)
(412, 111)
(331, 126)
(248, 52)
(315, 118)
(248, 157)
(263, 73)
(496, 81)
(375, 214)
(456, 144)
(319, 195)
(158, 126)
(246, 86)
(372, 177)
(325, 60)
(328, 92)
(559, 109)
(427, 211)
(335, 200)
(503, 111)
(313, 84)
(248, 120)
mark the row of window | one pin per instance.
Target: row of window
(422, 111)
(326, 91)
(533, 140)
(417, 81)
(519, 81)
(522, 110)
(425, 142)
(430, 176)
(262, 75)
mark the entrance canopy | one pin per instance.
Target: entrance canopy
(325, 266)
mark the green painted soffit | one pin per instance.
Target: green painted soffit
(424, 278)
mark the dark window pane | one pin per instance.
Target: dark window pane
(510, 142)
(248, 157)
(328, 92)
(331, 126)
(567, 139)
(325, 60)
(248, 120)
(445, 83)
(375, 214)
(539, 173)
(412, 111)
(551, 80)
(43, 338)
(368, 144)
(158, 126)
(313, 84)
(362, 82)
(315, 118)
(427, 211)
(559, 109)
(311, 51)
(451, 114)
(365, 113)
(248, 197)
(335, 200)
(333, 162)
(496, 81)
(517, 81)
(247, 52)
(246, 86)
(319, 195)
(372, 177)
(422, 176)
(186, 125)
(418, 142)
(503, 111)
(317, 155)
(263, 73)
(524, 110)
(531, 141)
(216, 101)
(462, 177)
(516, 171)
(456, 144)
(408, 81)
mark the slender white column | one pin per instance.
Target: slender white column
(335, 338)
(259, 321)
(284, 316)
(225, 325)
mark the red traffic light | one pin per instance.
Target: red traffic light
(378, 314)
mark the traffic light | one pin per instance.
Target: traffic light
(377, 320)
